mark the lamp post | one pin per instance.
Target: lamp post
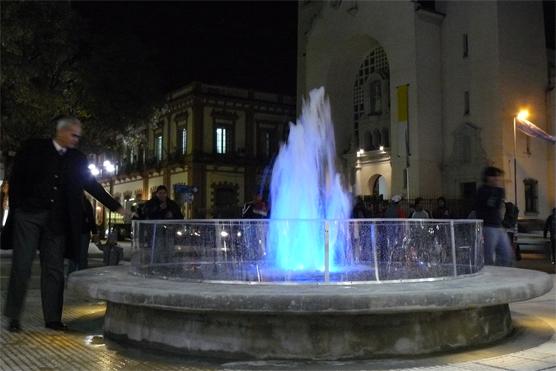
(109, 168)
(522, 115)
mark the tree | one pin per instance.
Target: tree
(53, 63)
(39, 78)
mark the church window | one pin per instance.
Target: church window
(375, 97)
(531, 195)
(466, 149)
(375, 62)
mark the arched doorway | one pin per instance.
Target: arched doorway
(378, 186)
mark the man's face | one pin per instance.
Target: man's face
(162, 195)
(68, 137)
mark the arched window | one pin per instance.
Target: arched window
(375, 62)
(377, 184)
(375, 97)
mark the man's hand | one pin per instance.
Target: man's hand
(127, 214)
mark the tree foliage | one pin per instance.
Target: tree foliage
(54, 63)
(39, 76)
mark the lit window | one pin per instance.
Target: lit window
(183, 140)
(158, 147)
(222, 140)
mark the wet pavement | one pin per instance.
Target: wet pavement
(532, 345)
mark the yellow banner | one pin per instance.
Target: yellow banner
(403, 112)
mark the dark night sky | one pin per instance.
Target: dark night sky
(249, 44)
(243, 44)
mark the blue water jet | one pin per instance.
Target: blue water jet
(307, 194)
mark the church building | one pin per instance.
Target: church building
(424, 94)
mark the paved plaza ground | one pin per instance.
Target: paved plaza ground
(532, 346)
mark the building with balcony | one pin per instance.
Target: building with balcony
(424, 93)
(216, 140)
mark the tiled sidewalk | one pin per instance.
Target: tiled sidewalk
(531, 347)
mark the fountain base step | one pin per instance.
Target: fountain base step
(318, 337)
(326, 322)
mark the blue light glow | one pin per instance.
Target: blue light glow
(307, 194)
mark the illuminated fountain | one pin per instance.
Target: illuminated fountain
(310, 283)
(306, 186)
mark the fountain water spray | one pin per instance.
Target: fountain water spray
(306, 189)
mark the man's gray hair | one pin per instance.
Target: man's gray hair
(63, 122)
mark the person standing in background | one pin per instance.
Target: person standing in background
(509, 222)
(160, 206)
(490, 197)
(441, 211)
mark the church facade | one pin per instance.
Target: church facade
(424, 94)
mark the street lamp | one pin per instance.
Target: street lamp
(522, 115)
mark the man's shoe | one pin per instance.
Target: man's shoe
(56, 326)
(14, 326)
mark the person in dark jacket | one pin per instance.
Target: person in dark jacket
(161, 207)
(360, 211)
(490, 200)
(441, 211)
(45, 194)
(394, 210)
(509, 223)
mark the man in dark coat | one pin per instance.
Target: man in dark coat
(46, 190)
(161, 207)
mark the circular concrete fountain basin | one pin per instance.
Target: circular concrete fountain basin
(324, 321)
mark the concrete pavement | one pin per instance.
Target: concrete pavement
(532, 346)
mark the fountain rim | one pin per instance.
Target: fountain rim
(310, 283)
(215, 221)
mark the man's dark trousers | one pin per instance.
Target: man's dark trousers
(31, 232)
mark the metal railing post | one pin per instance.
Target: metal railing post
(375, 254)
(453, 238)
(153, 243)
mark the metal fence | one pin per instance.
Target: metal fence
(307, 251)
